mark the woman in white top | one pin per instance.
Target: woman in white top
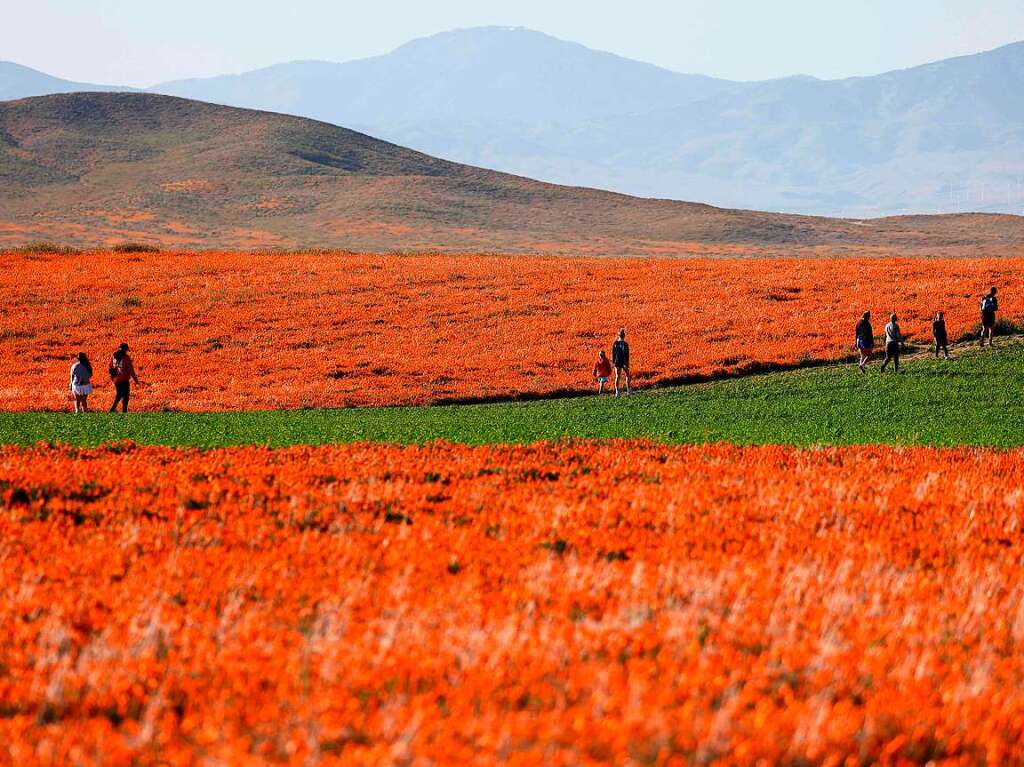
(893, 340)
(81, 382)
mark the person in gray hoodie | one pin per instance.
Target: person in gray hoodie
(893, 345)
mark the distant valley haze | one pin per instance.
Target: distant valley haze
(941, 137)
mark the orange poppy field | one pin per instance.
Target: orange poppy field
(575, 603)
(250, 331)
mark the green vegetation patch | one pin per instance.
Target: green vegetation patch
(973, 399)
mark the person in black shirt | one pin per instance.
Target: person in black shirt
(940, 335)
(989, 307)
(620, 359)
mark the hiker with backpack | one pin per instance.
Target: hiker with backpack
(865, 343)
(620, 359)
(893, 342)
(602, 371)
(122, 373)
(940, 335)
(81, 382)
(989, 307)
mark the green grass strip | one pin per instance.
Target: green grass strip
(975, 399)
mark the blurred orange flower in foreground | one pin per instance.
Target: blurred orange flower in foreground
(580, 603)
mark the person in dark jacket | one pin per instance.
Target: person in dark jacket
(620, 359)
(940, 335)
(865, 341)
(989, 307)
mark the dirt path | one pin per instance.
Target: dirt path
(919, 352)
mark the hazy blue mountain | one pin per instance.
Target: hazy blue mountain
(947, 136)
(19, 82)
(939, 137)
(509, 75)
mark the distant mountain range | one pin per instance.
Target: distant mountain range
(18, 82)
(941, 137)
(98, 168)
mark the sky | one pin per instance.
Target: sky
(128, 42)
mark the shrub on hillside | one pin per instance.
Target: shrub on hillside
(1004, 327)
(45, 247)
(135, 247)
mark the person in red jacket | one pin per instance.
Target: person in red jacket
(602, 371)
(122, 373)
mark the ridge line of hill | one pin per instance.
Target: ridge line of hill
(95, 169)
(941, 136)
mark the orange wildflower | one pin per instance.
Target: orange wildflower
(245, 331)
(581, 603)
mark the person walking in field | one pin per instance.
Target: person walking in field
(620, 359)
(122, 373)
(893, 342)
(865, 341)
(81, 382)
(940, 335)
(989, 307)
(602, 371)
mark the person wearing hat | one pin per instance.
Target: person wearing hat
(122, 373)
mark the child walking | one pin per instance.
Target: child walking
(602, 371)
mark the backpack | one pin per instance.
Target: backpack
(988, 304)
